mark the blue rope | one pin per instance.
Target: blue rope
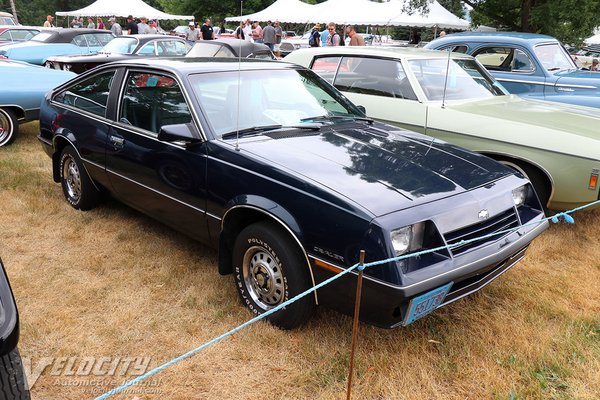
(555, 219)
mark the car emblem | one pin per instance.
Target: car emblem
(483, 214)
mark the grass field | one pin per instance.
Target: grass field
(114, 283)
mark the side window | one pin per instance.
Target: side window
(326, 67)
(151, 101)
(103, 38)
(495, 58)
(373, 76)
(521, 62)
(5, 36)
(93, 41)
(80, 41)
(171, 48)
(89, 95)
(461, 48)
(147, 50)
(224, 52)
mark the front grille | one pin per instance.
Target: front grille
(497, 223)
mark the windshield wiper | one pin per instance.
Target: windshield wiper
(260, 129)
(554, 69)
(326, 117)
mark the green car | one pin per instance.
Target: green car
(452, 97)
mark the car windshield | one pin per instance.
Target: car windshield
(465, 79)
(42, 37)
(553, 57)
(6, 21)
(268, 98)
(121, 45)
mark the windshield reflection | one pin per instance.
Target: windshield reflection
(553, 57)
(235, 101)
(466, 79)
(120, 46)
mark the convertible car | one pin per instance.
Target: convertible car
(120, 48)
(557, 146)
(528, 64)
(57, 42)
(21, 92)
(13, 384)
(289, 184)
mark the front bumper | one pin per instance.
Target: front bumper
(385, 305)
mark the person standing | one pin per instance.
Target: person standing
(248, 31)
(257, 33)
(334, 38)
(99, 23)
(239, 31)
(314, 40)
(324, 37)
(132, 28)
(269, 35)
(355, 38)
(192, 35)
(143, 26)
(48, 22)
(151, 30)
(207, 30)
(91, 24)
(115, 27)
(278, 37)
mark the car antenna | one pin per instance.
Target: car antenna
(237, 117)
(446, 78)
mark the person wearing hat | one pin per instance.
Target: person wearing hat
(314, 39)
(115, 28)
(48, 22)
(191, 33)
(132, 28)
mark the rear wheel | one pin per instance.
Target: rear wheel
(269, 269)
(13, 384)
(77, 186)
(9, 127)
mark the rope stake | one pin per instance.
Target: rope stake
(360, 268)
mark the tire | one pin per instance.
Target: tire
(77, 186)
(13, 384)
(537, 179)
(268, 269)
(9, 127)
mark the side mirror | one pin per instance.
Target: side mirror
(178, 132)
(362, 109)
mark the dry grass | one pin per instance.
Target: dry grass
(112, 282)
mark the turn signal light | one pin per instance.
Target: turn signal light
(593, 180)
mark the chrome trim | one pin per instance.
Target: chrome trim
(565, 85)
(526, 82)
(287, 228)
(155, 191)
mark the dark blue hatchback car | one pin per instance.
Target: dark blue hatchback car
(276, 169)
(528, 64)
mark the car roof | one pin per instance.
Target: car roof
(185, 66)
(236, 45)
(143, 38)
(514, 37)
(382, 51)
(70, 33)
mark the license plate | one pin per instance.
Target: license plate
(425, 304)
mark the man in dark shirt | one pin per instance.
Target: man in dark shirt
(207, 30)
(132, 27)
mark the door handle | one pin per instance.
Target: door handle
(117, 141)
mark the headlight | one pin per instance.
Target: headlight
(407, 239)
(519, 195)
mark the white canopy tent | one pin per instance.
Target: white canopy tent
(593, 40)
(357, 12)
(291, 11)
(121, 8)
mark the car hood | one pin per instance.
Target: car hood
(379, 168)
(21, 78)
(578, 75)
(92, 57)
(570, 128)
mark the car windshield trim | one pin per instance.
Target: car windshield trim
(259, 130)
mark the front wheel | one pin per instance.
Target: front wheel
(77, 186)
(269, 269)
(9, 127)
(13, 385)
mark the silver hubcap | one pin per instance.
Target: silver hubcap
(72, 179)
(263, 277)
(5, 127)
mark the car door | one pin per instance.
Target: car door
(164, 179)
(514, 67)
(380, 85)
